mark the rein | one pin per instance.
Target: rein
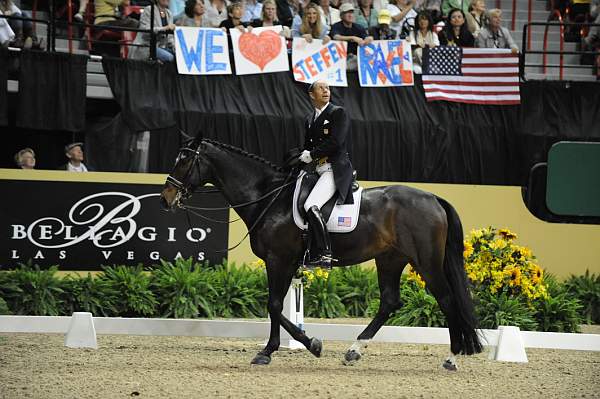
(184, 192)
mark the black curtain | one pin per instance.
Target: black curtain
(397, 135)
(52, 91)
(4, 63)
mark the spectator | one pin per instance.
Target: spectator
(215, 12)
(25, 159)
(592, 40)
(106, 14)
(476, 17)
(81, 11)
(311, 26)
(495, 35)
(22, 29)
(269, 18)
(346, 30)
(383, 31)
(365, 15)
(380, 5)
(194, 15)
(403, 16)
(74, 152)
(163, 25)
(235, 12)
(253, 10)
(329, 15)
(449, 5)
(177, 8)
(6, 33)
(422, 37)
(456, 32)
(285, 14)
(434, 7)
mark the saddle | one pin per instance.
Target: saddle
(340, 218)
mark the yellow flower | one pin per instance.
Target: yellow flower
(258, 263)
(507, 234)
(498, 244)
(468, 249)
(414, 276)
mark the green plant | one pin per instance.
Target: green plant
(500, 309)
(553, 286)
(132, 286)
(240, 291)
(321, 297)
(89, 294)
(420, 309)
(9, 290)
(357, 288)
(183, 289)
(38, 291)
(586, 288)
(4, 307)
(559, 313)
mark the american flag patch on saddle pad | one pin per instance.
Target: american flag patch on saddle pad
(345, 221)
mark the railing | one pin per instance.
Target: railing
(555, 14)
(545, 52)
(51, 24)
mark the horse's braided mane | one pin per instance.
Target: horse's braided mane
(245, 153)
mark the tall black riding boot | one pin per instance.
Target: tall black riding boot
(318, 228)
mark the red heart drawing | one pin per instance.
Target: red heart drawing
(261, 49)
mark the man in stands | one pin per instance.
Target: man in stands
(346, 30)
(106, 14)
(327, 132)
(495, 35)
(74, 152)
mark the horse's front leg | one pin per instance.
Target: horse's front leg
(279, 275)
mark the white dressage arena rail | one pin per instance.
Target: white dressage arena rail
(509, 341)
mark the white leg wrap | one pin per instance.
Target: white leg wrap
(358, 345)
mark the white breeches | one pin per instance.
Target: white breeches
(323, 190)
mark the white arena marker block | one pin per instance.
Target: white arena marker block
(81, 332)
(293, 309)
(510, 345)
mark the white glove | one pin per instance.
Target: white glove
(305, 156)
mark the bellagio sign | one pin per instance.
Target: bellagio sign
(82, 225)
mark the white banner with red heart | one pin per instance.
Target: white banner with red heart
(262, 50)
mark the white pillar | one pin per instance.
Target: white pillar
(293, 309)
(81, 332)
(510, 345)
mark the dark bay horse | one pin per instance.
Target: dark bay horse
(397, 225)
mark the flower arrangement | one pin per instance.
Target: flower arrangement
(495, 263)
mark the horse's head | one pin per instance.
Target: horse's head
(190, 171)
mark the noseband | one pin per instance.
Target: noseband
(184, 187)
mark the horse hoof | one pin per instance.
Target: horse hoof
(261, 359)
(351, 358)
(448, 365)
(316, 346)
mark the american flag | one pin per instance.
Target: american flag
(471, 75)
(344, 221)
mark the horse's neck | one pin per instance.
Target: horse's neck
(243, 180)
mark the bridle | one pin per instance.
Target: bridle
(184, 191)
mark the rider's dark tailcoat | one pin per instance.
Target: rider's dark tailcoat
(327, 137)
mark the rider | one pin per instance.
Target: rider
(327, 132)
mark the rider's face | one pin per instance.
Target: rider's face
(320, 93)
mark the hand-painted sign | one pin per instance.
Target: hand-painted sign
(202, 51)
(385, 63)
(260, 51)
(316, 61)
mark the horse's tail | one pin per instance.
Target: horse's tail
(457, 279)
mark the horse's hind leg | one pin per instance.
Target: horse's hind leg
(389, 270)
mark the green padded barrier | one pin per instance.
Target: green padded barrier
(573, 185)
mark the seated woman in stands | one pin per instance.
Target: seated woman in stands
(235, 13)
(22, 29)
(269, 18)
(216, 12)
(25, 159)
(456, 32)
(422, 37)
(310, 26)
(494, 35)
(194, 15)
(476, 18)
(163, 27)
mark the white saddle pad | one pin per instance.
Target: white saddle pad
(343, 219)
